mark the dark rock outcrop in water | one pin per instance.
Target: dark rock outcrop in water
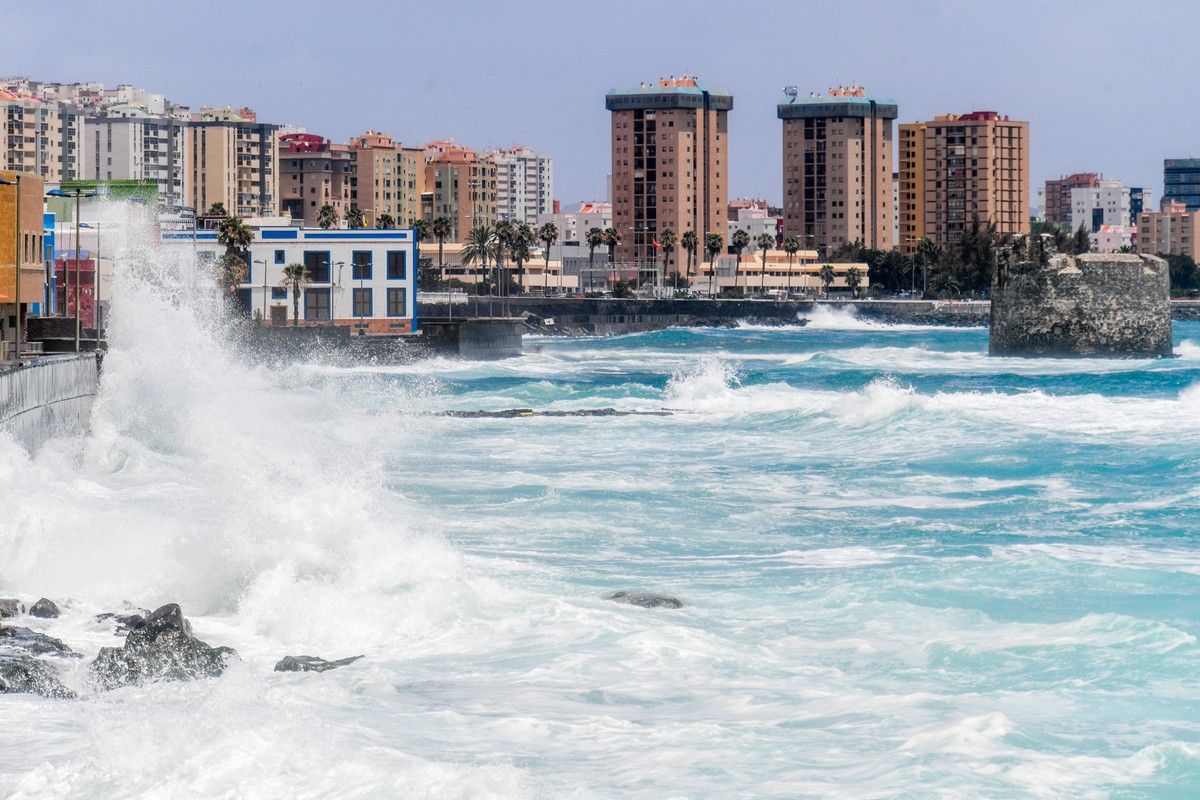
(11, 608)
(311, 663)
(161, 649)
(125, 622)
(645, 600)
(44, 608)
(29, 675)
(32, 643)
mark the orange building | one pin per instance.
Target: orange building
(462, 187)
(388, 178)
(670, 167)
(24, 240)
(1173, 231)
(960, 168)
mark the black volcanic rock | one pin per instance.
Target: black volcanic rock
(311, 663)
(161, 649)
(125, 622)
(645, 599)
(14, 638)
(10, 607)
(29, 675)
(46, 609)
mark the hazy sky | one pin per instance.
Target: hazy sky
(1106, 86)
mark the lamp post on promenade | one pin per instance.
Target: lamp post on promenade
(77, 193)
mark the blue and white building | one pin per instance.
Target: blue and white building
(366, 278)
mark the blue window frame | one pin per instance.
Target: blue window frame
(280, 257)
(397, 302)
(362, 303)
(316, 304)
(317, 262)
(279, 293)
(397, 265)
(360, 265)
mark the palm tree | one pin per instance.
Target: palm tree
(666, 241)
(713, 245)
(739, 242)
(853, 280)
(217, 210)
(595, 238)
(612, 238)
(791, 246)
(548, 235)
(355, 219)
(236, 237)
(765, 242)
(506, 231)
(385, 221)
(420, 229)
(826, 276)
(479, 248)
(689, 243)
(327, 216)
(295, 278)
(441, 228)
(520, 249)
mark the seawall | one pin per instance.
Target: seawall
(48, 396)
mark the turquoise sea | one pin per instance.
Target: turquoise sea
(909, 570)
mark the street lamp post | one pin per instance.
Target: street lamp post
(264, 309)
(77, 193)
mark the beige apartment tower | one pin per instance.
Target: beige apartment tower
(462, 187)
(837, 169)
(670, 167)
(230, 158)
(389, 179)
(960, 168)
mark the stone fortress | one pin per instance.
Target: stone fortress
(1100, 305)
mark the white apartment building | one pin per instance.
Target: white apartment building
(1107, 204)
(524, 183)
(131, 144)
(366, 279)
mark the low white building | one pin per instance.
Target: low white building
(1112, 238)
(362, 278)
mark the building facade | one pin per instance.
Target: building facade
(365, 279)
(231, 159)
(40, 137)
(524, 183)
(1181, 182)
(1104, 204)
(959, 169)
(388, 179)
(21, 247)
(837, 169)
(1057, 195)
(129, 144)
(462, 187)
(313, 172)
(670, 166)
(1172, 231)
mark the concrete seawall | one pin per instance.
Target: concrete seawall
(48, 396)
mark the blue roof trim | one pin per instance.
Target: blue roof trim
(291, 234)
(387, 236)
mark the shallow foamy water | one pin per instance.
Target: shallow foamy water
(909, 571)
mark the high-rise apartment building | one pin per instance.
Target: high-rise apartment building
(670, 166)
(313, 172)
(1105, 204)
(1172, 231)
(524, 183)
(40, 137)
(837, 169)
(462, 187)
(127, 143)
(1058, 195)
(1181, 182)
(957, 169)
(388, 178)
(231, 160)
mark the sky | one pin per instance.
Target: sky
(1106, 87)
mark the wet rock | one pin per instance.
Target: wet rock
(26, 641)
(46, 609)
(311, 663)
(161, 649)
(645, 599)
(29, 675)
(125, 622)
(11, 608)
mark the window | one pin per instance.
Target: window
(362, 302)
(397, 265)
(280, 257)
(360, 261)
(316, 304)
(397, 302)
(278, 293)
(317, 263)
